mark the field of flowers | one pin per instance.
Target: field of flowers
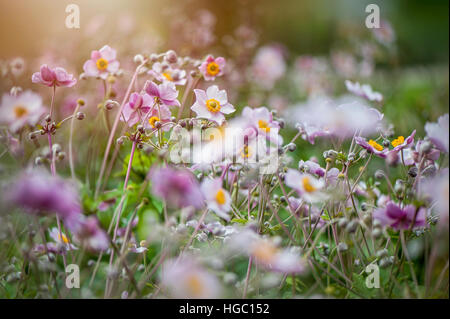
(181, 166)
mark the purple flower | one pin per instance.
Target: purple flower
(397, 218)
(178, 187)
(53, 77)
(88, 232)
(372, 146)
(164, 93)
(40, 193)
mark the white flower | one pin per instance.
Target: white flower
(61, 238)
(364, 91)
(212, 104)
(17, 111)
(217, 198)
(308, 187)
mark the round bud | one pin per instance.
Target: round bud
(38, 160)
(342, 247)
(81, 102)
(120, 140)
(376, 233)
(386, 143)
(291, 147)
(379, 174)
(138, 58)
(61, 156)
(158, 124)
(194, 74)
(110, 104)
(171, 56)
(32, 135)
(140, 128)
(56, 148)
(412, 172)
(48, 118)
(425, 147)
(80, 116)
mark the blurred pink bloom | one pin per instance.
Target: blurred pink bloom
(38, 192)
(364, 91)
(168, 74)
(217, 198)
(212, 104)
(185, 278)
(137, 107)
(102, 63)
(268, 66)
(53, 77)
(266, 253)
(401, 218)
(88, 232)
(178, 187)
(437, 189)
(438, 132)
(164, 93)
(212, 67)
(18, 111)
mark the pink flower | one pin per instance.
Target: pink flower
(268, 67)
(177, 186)
(137, 106)
(261, 120)
(159, 114)
(18, 111)
(38, 192)
(364, 91)
(212, 104)
(212, 67)
(102, 63)
(438, 132)
(186, 278)
(164, 93)
(168, 74)
(372, 146)
(400, 142)
(394, 216)
(53, 77)
(88, 232)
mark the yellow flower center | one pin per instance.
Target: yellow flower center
(212, 68)
(20, 111)
(195, 285)
(220, 197)
(307, 186)
(213, 105)
(168, 76)
(102, 64)
(153, 120)
(64, 238)
(264, 251)
(263, 125)
(375, 145)
(399, 140)
(246, 151)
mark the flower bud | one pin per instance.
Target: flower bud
(351, 226)
(110, 104)
(81, 102)
(171, 56)
(291, 147)
(138, 58)
(412, 172)
(425, 147)
(80, 116)
(342, 247)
